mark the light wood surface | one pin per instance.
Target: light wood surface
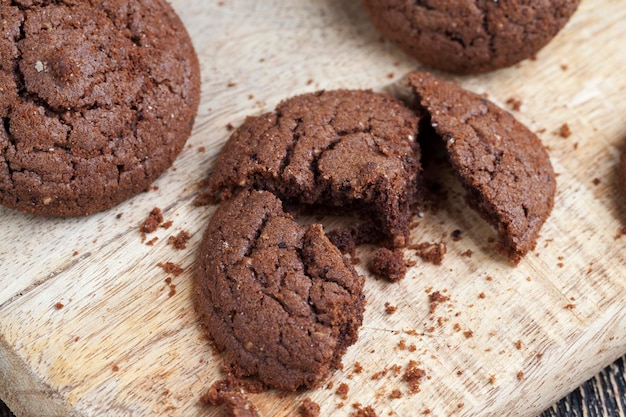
(122, 346)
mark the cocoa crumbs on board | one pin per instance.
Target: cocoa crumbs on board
(223, 393)
(388, 264)
(343, 390)
(361, 411)
(413, 375)
(155, 218)
(435, 299)
(179, 241)
(171, 268)
(514, 104)
(430, 252)
(309, 408)
(389, 309)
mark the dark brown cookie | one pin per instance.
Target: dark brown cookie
(354, 150)
(97, 99)
(281, 300)
(470, 36)
(503, 166)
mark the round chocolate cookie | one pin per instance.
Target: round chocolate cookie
(281, 300)
(354, 150)
(502, 165)
(470, 36)
(97, 98)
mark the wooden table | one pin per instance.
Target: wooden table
(510, 340)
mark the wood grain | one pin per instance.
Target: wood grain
(510, 340)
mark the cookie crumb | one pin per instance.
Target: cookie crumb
(565, 131)
(518, 345)
(520, 375)
(115, 368)
(59, 306)
(309, 408)
(389, 309)
(435, 299)
(343, 390)
(171, 268)
(179, 241)
(236, 402)
(413, 375)
(514, 104)
(388, 264)
(395, 394)
(363, 411)
(155, 218)
(430, 252)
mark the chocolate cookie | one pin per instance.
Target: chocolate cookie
(281, 300)
(503, 166)
(354, 150)
(470, 36)
(97, 99)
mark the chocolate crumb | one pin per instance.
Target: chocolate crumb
(152, 222)
(342, 391)
(223, 392)
(518, 344)
(596, 181)
(436, 298)
(388, 264)
(565, 131)
(179, 241)
(430, 252)
(413, 375)
(171, 268)
(363, 412)
(59, 306)
(514, 103)
(167, 224)
(230, 127)
(115, 368)
(520, 375)
(395, 394)
(389, 309)
(309, 408)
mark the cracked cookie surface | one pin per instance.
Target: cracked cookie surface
(470, 36)
(502, 165)
(97, 98)
(279, 298)
(350, 150)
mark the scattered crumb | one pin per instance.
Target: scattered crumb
(152, 222)
(75, 253)
(343, 390)
(171, 268)
(389, 309)
(357, 368)
(115, 368)
(309, 81)
(518, 345)
(179, 241)
(363, 412)
(456, 235)
(468, 334)
(492, 379)
(520, 375)
(230, 127)
(430, 252)
(388, 264)
(167, 224)
(224, 393)
(231, 84)
(413, 375)
(596, 181)
(468, 253)
(565, 131)
(119, 215)
(59, 306)
(395, 394)
(309, 408)
(564, 67)
(152, 241)
(436, 298)
(482, 295)
(570, 306)
(514, 104)
(390, 75)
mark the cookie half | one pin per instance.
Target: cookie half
(97, 99)
(502, 165)
(470, 36)
(350, 150)
(280, 299)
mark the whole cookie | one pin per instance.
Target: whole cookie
(97, 99)
(349, 149)
(470, 36)
(503, 166)
(280, 299)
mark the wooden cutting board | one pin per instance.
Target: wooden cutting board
(508, 341)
